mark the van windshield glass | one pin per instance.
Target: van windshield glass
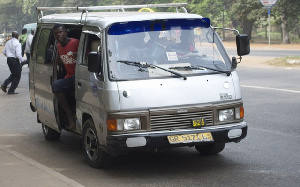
(188, 47)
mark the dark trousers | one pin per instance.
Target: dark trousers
(15, 76)
(28, 58)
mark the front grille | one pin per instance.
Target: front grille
(172, 121)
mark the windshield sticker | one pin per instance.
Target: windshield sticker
(225, 96)
(172, 56)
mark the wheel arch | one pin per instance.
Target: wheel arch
(99, 126)
(86, 116)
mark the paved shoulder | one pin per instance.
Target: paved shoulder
(19, 170)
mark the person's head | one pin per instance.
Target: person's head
(154, 35)
(60, 33)
(15, 34)
(187, 37)
(24, 31)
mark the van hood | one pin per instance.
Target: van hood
(154, 93)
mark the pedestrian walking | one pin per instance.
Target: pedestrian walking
(23, 39)
(13, 52)
(27, 48)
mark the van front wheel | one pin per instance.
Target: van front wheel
(96, 157)
(210, 149)
(50, 134)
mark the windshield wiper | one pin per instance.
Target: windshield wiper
(137, 64)
(185, 68)
(146, 65)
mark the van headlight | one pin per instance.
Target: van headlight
(132, 124)
(231, 114)
(226, 115)
(126, 124)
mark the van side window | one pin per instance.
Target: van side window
(92, 42)
(43, 54)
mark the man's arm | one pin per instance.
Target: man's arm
(4, 51)
(19, 52)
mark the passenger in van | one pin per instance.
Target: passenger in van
(157, 46)
(132, 47)
(184, 43)
(188, 41)
(67, 51)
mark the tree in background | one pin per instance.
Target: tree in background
(216, 10)
(8, 22)
(246, 13)
(29, 6)
(239, 14)
(288, 12)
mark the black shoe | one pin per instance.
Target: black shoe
(12, 93)
(3, 87)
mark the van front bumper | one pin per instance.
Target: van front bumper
(122, 143)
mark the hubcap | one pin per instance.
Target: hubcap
(45, 129)
(91, 144)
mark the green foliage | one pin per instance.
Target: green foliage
(291, 9)
(245, 13)
(10, 22)
(240, 14)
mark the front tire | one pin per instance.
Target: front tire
(50, 134)
(210, 149)
(96, 157)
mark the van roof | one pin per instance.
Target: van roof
(104, 19)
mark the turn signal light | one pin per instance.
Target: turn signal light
(242, 112)
(112, 125)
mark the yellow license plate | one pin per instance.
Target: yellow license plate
(188, 138)
(199, 122)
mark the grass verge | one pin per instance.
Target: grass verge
(285, 62)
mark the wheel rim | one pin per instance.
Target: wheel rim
(91, 144)
(45, 129)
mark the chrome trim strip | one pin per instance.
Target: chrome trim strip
(203, 129)
(176, 5)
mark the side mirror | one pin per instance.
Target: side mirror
(94, 62)
(243, 44)
(234, 63)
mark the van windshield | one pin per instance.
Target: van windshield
(146, 49)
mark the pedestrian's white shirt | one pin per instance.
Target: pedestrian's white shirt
(28, 43)
(13, 49)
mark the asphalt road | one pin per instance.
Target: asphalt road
(269, 156)
(267, 53)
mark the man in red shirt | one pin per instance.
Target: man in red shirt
(67, 51)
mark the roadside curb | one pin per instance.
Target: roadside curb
(19, 170)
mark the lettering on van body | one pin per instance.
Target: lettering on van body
(225, 96)
(182, 111)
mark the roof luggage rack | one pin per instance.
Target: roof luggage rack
(112, 7)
